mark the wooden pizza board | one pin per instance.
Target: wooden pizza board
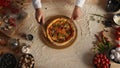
(52, 44)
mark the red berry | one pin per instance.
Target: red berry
(101, 55)
(107, 60)
(117, 32)
(98, 65)
(118, 29)
(97, 55)
(95, 58)
(118, 45)
(118, 38)
(98, 60)
(104, 58)
(103, 62)
(95, 62)
(104, 66)
(107, 65)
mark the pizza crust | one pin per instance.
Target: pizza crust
(69, 40)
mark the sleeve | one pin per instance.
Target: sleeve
(37, 3)
(80, 3)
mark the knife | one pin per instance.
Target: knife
(42, 27)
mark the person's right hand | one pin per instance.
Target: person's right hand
(76, 13)
(39, 15)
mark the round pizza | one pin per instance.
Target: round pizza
(60, 30)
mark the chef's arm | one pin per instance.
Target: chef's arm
(37, 4)
(80, 3)
(77, 13)
(38, 11)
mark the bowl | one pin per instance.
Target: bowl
(26, 61)
(8, 60)
(116, 19)
(29, 37)
(113, 5)
(113, 60)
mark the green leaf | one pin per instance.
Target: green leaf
(101, 47)
(103, 39)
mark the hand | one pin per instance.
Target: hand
(39, 15)
(76, 13)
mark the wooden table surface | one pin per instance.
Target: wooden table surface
(79, 54)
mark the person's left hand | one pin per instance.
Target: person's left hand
(76, 13)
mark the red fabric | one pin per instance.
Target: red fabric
(5, 3)
(8, 4)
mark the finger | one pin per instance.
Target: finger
(72, 18)
(75, 18)
(38, 19)
(42, 19)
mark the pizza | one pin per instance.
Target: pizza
(60, 30)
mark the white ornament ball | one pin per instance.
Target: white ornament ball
(118, 49)
(113, 51)
(117, 41)
(116, 60)
(25, 49)
(117, 55)
(112, 56)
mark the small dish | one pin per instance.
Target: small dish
(26, 61)
(8, 60)
(110, 53)
(29, 37)
(113, 5)
(116, 19)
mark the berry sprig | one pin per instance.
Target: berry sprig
(102, 47)
(102, 44)
(101, 61)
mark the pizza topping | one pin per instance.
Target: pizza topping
(60, 31)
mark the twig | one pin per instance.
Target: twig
(100, 16)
